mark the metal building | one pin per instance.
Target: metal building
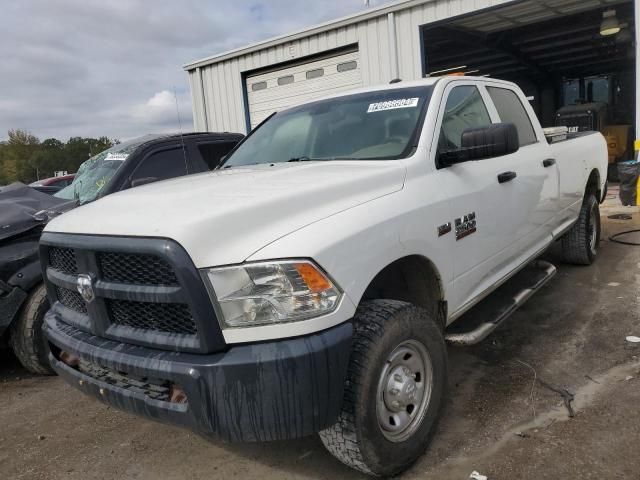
(559, 51)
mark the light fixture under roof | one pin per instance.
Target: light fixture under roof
(610, 24)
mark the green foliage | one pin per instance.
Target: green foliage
(24, 158)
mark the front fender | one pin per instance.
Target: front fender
(353, 246)
(28, 277)
(20, 262)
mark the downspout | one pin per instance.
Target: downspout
(393, 45)
(204, 100)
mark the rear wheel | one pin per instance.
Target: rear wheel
(394, 389)
(580, 244)
(26, 336)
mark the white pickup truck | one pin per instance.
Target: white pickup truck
(309, 285)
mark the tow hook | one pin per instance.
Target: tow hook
(70, 359)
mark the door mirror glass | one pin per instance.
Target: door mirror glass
(484, 142)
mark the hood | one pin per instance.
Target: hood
(19, 205)
(222, 217)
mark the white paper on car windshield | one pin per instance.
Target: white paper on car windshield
(393, 104)
(118, 157)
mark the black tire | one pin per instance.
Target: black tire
(26, 336)
(358, 439)
(580, 244)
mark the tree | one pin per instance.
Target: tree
(24, 158)
(17, 155)
(77, 150)
(48, 158)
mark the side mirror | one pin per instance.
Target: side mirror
(485, 142)
(143, 181)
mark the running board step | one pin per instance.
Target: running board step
(476, 324)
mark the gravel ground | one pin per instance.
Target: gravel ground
(497, 421)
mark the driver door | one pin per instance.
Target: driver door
(484, 211)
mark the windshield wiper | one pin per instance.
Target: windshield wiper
(301, 159)
(328, 159)
(243, 165)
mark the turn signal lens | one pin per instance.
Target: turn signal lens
(315, 281)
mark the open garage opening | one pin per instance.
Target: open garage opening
(575, 59)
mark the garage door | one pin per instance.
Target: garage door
(279, 89)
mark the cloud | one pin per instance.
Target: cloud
(74, 67)
(160, 111)
(161, 100)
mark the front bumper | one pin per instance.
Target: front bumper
(255, 392)
(10, 303)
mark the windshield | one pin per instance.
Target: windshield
(366, 126)
(96, 172)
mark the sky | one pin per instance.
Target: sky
(110, 68)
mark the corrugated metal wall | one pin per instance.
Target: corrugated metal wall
(222, 82)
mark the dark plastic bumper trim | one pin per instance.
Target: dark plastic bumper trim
(255, 392)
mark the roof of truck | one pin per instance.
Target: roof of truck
(400, 84)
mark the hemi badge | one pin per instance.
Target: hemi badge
(444, 229)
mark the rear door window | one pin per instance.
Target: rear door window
(161, 164)
(511, 110)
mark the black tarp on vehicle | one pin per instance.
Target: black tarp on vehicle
(21, 209)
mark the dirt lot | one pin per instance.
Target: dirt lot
(571, 335)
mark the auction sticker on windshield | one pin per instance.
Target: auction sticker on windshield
(393, 104)
(117, 156)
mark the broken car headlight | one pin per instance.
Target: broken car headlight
(267, 293)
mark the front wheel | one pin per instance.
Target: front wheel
(580, 244)
(27, 338)
(395, 386)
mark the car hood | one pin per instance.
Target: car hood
(222, 217)
(23, 208)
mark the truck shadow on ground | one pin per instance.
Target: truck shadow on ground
(10, 368)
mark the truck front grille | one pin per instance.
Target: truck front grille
(71, 299)
(160, 317)
(63, 260)
(146, 291)
(136, 269)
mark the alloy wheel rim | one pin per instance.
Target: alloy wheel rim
(404, 391)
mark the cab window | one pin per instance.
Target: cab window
(511, 110)
(161, 165)
(464, 109)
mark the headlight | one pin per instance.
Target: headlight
(272, 292)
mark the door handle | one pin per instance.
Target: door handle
(506, 177)
(548, 162)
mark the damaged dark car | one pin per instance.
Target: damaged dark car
(24, 212)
